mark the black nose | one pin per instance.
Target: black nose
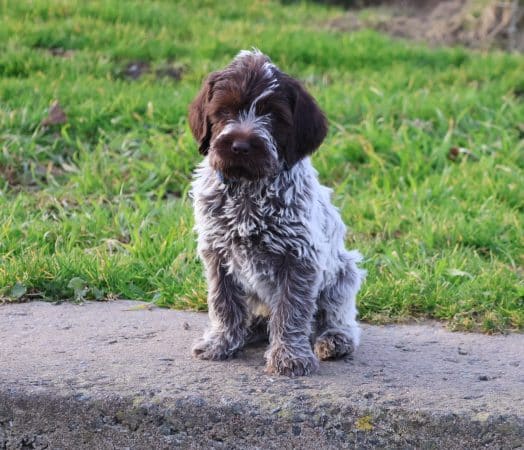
(241, 147)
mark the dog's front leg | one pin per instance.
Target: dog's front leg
(292, 311)
(227, 314)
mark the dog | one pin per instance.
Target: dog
(271, 241)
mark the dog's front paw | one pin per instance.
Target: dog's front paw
(282, 361)
(214, 348)
(334, 344)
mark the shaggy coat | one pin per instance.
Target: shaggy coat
(271, 241)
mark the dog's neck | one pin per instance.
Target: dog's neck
(229, 181)
(223, 179)
(287, 180)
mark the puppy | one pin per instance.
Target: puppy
(271, 241)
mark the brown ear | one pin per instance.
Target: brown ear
(198, 116)
(309, 123)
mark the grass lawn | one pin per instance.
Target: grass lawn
(96, 207)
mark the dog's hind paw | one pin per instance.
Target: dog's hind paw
(334, 344)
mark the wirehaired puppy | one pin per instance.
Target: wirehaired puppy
(271, 241)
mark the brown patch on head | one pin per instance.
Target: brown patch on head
(224, 94)
(251, 117)
(199, 115)
(309, 122)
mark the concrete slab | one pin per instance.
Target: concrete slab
(113, 375)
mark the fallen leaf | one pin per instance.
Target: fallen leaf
(69, 167)
(364, 423)
(458, 153)
(55, 116)
(144, 306)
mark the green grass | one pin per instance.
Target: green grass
(97, 207)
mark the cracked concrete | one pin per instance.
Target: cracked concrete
(111, 375)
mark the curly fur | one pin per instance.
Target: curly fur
(271, 241)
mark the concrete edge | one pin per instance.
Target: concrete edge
(41, 420)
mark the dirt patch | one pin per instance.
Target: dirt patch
(134, 70)
(60, 52)
(169, 71)
(10, 175)
(29, 176)
(472, 23)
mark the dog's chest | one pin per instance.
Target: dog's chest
(238, 225)
(251, 233)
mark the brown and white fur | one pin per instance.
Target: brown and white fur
(271, 241)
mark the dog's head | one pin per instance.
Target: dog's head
(253, 120)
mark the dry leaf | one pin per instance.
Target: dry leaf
(458, 153)
(61, 52)
(141, 307)
(55, 116)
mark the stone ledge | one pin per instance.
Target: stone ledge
(111, 375)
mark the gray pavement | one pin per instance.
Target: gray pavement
(118, 375)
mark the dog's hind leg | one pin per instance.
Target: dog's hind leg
(337, 330)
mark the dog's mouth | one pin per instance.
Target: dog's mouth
(229, 172)
(241, 159)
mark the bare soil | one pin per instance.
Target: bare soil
(481, 24)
